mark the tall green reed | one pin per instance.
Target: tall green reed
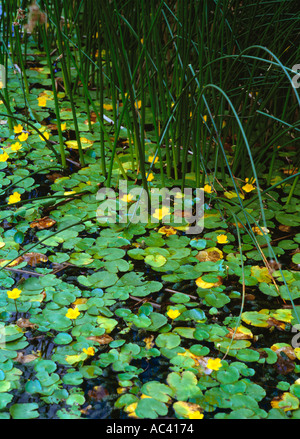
(161, 55)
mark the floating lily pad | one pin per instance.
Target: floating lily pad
(24, 411)
(63, 338)
(150, 408)
(155, 260)
(184, 385)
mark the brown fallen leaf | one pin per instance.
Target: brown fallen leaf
(34, 259)
(86, 409)
(43, 223)
(22, 358)
(249, 297)
(149, 342)
(25, 323)
(288, 350)
(283, 366)
(101, 339)
(54, 176)
(98, 393)
(284, 228)
(277, 323)
(213, 254)
(240, 334)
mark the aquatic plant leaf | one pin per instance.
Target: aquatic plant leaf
(156, 390)
(155, 260)
(184, 385)
(168, 340)
(106, 323)
(24, 410)
(228, 376)
(186, 409)
(43, 223)
(256, 318)
(150, 408)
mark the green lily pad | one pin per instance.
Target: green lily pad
(5, 398)
(24, 411)
(72, 378)
(268, 289)
(45, 365)
(155, 260)
(63, 338)
(185, 332)
(106, 323)
(247, 355)
(287, 219)
(150, 408)
(217, 299)
(296, 258)
(101, 279)
(184, 385)
(256, 318)
(228, 376)
(75, 399)
(168, 340)
(157, 390)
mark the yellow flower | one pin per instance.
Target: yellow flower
(232, 194)
(248, 187)
(214, 363)
(167, 230)
(46, 135)
(259, 231)
(151, 158)
(121, 390)
(23, 137)
(207, 188)
(4, 157)
(222, 239)
(150, 177)
(16, 146)
(173, 313)
(18, 129)
(73, 313)
(42, 101)
(160, 213)
(63, 126)
(108, 107)
(127, 198)
(14, 198)
(138, 104)
(204, 119)
(196, 415)
(89, 351)
(14, 294)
